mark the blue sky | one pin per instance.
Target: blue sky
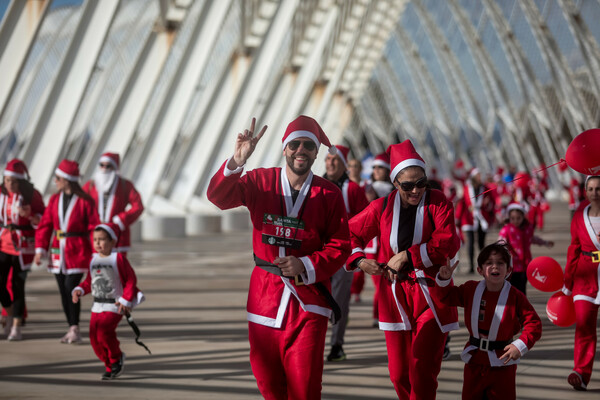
(55, 3)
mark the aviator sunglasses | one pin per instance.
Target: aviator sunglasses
(308, 145)
(408, 186)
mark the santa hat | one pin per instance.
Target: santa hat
(382, 160)
(516, 206)
(112, 158)
(403, 155)
(17, 169)
(68, 169)
(110, 228)
(342, 151)
(473, 172)
(307, 127)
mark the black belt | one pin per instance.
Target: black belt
(274, 269)
(17, 227)
(136, 331)
(62, 234)
(595, 255)
(484, 344)
(104, 300)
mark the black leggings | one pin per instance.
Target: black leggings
(66, 284)
(8, 261)
(471, 240)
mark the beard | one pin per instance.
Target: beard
(104, 180)
(299, 170)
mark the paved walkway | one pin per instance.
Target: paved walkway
(194, 323)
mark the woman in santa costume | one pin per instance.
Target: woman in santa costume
(65, 231)
(115, 197)
(582, 281)
(300, 239)
(475, 213)
(495, 312)
(417, 233)
(21, 208)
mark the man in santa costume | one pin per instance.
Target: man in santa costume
(417, 234)
(300, 239)
(355, 201)
(116, 199)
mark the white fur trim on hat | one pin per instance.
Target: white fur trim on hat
(473, 172)
(108, 229)
(14, 174)
(299, 134)
(109, 160)
(515, 206)
(381, 163)
(410, 162)
(341, 155)
(63, 174)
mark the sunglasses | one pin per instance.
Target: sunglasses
(307, 144)
(408, 186)
(106, 166)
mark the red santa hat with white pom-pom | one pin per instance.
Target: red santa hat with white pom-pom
(403, 155)
(112, 229)
(111, 158)
(307, 127)
(68, 169)
(16, 169)
(382, 160)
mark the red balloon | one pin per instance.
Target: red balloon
(582, 153)
(560, 310)
(545, 274)
(563, 166)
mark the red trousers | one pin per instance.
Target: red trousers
(586, 314)
(489, 383)
(103, 337)
(415, 358)
(288, 362)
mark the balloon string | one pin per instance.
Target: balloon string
(521, 177)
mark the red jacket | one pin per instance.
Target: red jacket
(122, 194)
(582, 275)
(23, 239)
(513, 309)
(434, 240)
(475, 209)
(316, 223)
(69, 255)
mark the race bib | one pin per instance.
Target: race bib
(55, 257)
(282, 231)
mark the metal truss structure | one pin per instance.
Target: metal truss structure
(168, 84)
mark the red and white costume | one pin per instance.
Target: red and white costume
(121, 194)
(496, 316)
(71, 254)
(520, 239)
(582, 280)
(407, 311)
(23, 240)
(475, 209)
(288, 322)
(110, 279)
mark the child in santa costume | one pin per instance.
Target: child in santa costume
(112, 282)
(300, 239)
(21, 208)
(116, 199)
(65, 230)
(417, 233)
(582, 281)
(518, 233)
(494, 312)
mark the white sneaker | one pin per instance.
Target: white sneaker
(6, 325)
(15, 334)
(73, 336)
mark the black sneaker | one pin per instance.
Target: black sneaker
(117, 368)
(447, 353)
(336, 354)
(106, 376)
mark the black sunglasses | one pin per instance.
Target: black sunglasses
(307, 144)
(408, 186)
(107, 166)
